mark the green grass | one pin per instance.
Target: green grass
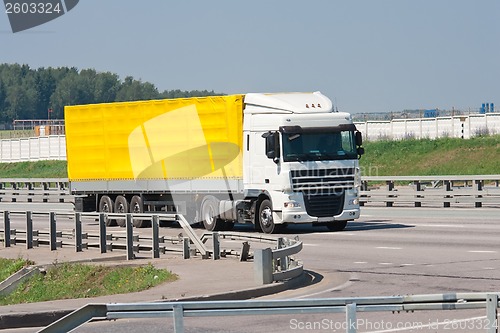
(40, 169)
(447, 156)
(68, 281)
(10, 266)
(15, 134)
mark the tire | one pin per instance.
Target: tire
(106, 206)
(137, 207)
(265, 218)
(210, 214)
(121, 207)
(336, 225)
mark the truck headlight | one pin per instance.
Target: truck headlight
(357, 178)
(291, 204)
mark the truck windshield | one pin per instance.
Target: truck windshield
(319, 146)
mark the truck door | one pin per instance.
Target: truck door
(266, 160)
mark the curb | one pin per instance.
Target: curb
(45, 318)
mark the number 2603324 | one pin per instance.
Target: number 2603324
(32, 8)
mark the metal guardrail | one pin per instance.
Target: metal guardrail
(278, 264)
(479, 190)
(269, 264)
(103, 240)
(350, 306)
(34, 183)
(35, 189)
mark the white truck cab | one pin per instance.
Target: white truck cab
(301, 159)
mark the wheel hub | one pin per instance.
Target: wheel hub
(266, 216)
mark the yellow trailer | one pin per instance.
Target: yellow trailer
(187, 138)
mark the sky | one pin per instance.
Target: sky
(366, 55)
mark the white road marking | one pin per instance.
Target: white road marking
(441, 225)
(342, 286)
(329, 234)
(388, 248)
(385, 263)
(361, 262)
(479, 251)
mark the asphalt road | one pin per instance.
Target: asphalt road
(388, 251)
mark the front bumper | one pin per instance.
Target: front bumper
(301, 216)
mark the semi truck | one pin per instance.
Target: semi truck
(268, 159)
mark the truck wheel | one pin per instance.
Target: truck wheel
(137, 207)
(121, 207)
(106, 206)
(336, 225)
(210, 213)
(265, 218)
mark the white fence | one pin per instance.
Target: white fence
(51, 147)
(431, 128)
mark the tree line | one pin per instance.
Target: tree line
(27, 93)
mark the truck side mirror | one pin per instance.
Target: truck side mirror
(272, 145)
(359, 139)
(359, 143)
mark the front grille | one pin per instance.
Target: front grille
(323, 189)
(324, 205)
(322, 181)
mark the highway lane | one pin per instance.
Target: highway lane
(391, 251)
(388, 251)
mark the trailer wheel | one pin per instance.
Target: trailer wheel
(265, 218)
(210, 213)
(121, 207)
(336, 225)
(137, 207)
(106, 206)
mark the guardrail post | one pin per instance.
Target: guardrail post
(390, 188)
(351, 320)
(478, 186)
(283, 261)
(102, 232)
(186, 252)
(491, 313)
(263, 266)
(418, 188)
(448, 188)
(130, 235)
(155, 225)
(216, 243)
(53, 231)
(364, 187)
(78, 232)
(29, 230)
(6, 228)
(178, 318)
(245, 248)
